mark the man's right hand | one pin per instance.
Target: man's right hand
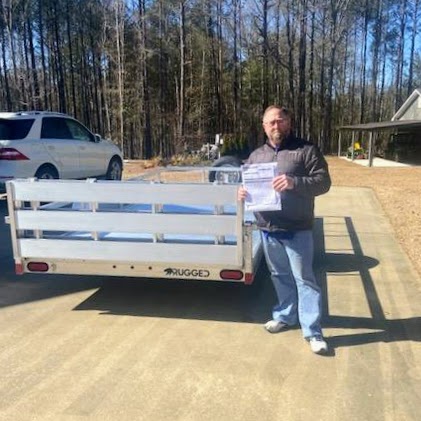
(241, 194)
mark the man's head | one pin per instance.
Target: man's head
(276, 124)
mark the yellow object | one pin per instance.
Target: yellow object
(357, 145)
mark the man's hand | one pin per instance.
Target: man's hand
(283, 182)
(241, 194)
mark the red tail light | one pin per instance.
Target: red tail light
(248, 278)
(12, 154)
(37, 267)
(231, 275)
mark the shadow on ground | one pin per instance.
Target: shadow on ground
(185, 299)
(211, 300)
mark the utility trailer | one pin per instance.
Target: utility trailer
(153, 228)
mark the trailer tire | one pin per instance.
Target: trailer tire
(221, 176)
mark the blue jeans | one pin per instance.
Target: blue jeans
(290, 261)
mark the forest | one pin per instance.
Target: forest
(163, 76)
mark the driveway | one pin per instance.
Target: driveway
(98, 348)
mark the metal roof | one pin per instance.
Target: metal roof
(406, 105)
(383, 125)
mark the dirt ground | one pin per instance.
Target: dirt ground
(398, 190)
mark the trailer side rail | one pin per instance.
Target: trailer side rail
(140, 225)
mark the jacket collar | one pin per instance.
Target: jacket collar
(285, 143)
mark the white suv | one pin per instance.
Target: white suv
(53, 145)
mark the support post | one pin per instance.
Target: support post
(353, 146)
(339, 143)
(370, 150)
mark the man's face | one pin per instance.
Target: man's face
(277, 126)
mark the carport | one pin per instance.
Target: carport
(373, 129)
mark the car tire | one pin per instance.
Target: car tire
(115, 169)
(229, 176)
(46, 172)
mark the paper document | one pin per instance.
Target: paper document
(257, 180)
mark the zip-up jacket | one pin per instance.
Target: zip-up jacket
(302, 161)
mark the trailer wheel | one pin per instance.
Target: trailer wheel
(226, 177)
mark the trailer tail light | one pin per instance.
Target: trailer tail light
(248, 278)
(18, 268)
(12, 154)
(37, 267)
(231, 275)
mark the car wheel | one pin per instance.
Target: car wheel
(226, 177)
(46, 172)
(115, 169)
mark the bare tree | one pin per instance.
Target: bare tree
(414, 33)
(402, 16)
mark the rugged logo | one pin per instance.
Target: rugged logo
(195, 273)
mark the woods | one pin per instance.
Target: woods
(161, 76)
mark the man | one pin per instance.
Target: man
(287, 234)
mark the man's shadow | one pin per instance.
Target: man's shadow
(240, 303)
(385, 330)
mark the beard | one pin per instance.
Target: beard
(277, 137)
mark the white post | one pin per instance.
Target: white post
(370, 150)
(339, 143)
(353, 146)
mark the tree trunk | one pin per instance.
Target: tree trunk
(265, 56)
(301, 121)
(119, 30)
(311, 74)
(403, 15)
(363, 64)
(181, 98)
(377, 39)
(72, 75)
(412, 53)
(290, 24)
(43, 59)
(60, 65)
(9, 105)
(37, 104)
(145, 108)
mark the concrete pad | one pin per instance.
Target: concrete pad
(378, 162)
(92, 348)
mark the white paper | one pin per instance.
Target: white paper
(257, 180)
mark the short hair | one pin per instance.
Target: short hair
(285, 111)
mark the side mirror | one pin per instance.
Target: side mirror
(97, 138)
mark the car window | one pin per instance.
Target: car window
(55, 128)
(15, 129)
(78, 131)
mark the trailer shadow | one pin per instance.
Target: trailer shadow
(218, 301)
(211, 300)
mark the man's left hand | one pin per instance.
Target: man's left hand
(283, 182)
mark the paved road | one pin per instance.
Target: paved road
(91, 348)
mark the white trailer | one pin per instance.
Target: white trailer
(137, 228)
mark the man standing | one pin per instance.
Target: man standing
(287, 233)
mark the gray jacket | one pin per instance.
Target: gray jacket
(304, 162)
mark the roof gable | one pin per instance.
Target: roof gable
(409, 103)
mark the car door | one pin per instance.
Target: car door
(61, 148)
(92, 160)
